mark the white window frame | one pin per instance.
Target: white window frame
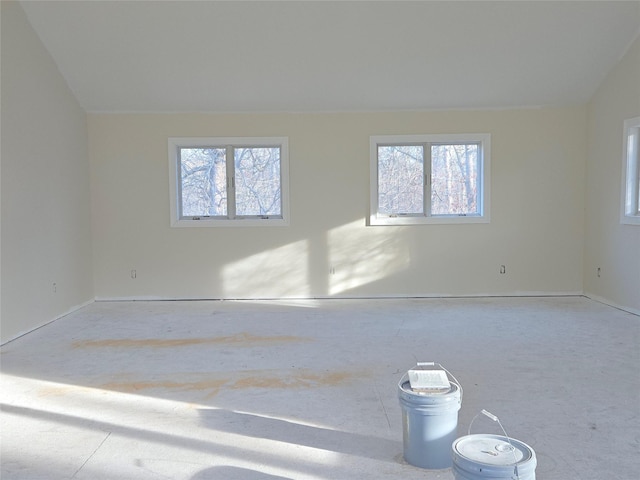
(630, 214)
(177, 220)
(484, 180)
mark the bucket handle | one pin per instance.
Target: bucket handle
(433, 364)
(496, 419)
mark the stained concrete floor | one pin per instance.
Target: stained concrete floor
(308, 389)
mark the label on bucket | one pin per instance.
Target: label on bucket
(428, 380)
(490, 450)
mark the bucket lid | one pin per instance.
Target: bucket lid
(428, 380)
(492, 450)
(405, 387)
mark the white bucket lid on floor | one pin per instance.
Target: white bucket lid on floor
(493, 456)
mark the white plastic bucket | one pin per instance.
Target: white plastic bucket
(492, 457)
(430, 423)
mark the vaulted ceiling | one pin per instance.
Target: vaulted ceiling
(241, 56)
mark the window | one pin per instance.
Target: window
(228, 181)
(631, 172)
(417, 179)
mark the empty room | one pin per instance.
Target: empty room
(271, 240)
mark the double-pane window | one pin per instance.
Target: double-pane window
(218, 180)
(429, 179)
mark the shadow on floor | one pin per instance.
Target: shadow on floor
(257, 426)
(234, 473)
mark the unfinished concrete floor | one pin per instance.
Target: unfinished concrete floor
(308, 389)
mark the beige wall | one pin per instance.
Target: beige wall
(46, 236)
(613, 247)
(536, 227)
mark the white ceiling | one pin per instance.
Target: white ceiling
(239, 56)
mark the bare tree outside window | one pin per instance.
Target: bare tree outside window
(400, 179)
(203, 181)
(257, 175)
(256, 181)
(229, 181)
(430, 179)
(454, 174)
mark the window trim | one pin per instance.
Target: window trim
(484, 182)
(175, 184)
(629, 214)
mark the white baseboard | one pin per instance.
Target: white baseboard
(69, 311)
(533, 294)
(597, 298)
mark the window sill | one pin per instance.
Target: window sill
(421, 220)
(226, 223)
(630, 220)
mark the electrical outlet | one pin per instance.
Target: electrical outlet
(55, 287)
(598, 272)
(503, 269)
(134, 274)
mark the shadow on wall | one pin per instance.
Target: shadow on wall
(280, 272)
(360, 256)
(348, 257)
(250, 425)
(234, 473)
